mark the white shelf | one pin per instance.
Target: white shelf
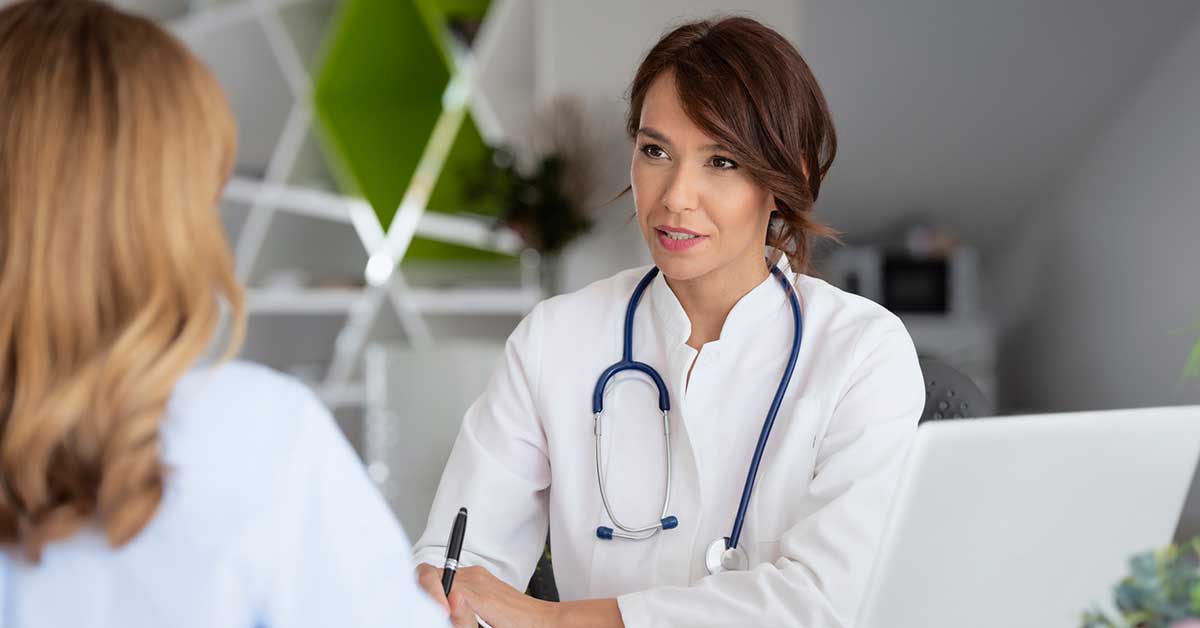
(310, 301)
(465, 230)
(339, 301)
(515, 301)
(350, 394)
(295, 199)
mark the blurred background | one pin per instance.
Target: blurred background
(1019, 180)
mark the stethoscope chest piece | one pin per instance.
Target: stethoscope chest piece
(723, 554)
(721, 558)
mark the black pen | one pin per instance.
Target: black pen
(453, 549)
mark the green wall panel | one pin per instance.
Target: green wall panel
(378, 96)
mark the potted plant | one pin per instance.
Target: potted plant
(544, 197)
(1162, 590)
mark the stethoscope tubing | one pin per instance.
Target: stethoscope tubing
(627, 363)
(765, 434)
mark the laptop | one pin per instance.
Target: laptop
(1028, 520)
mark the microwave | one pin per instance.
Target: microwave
(941, 285)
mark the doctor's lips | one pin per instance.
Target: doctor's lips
(678, 238)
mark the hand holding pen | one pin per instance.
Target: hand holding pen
(437, 582)
(454, 550)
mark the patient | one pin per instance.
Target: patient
(137, 486)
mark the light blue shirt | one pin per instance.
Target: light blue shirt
(268, 519)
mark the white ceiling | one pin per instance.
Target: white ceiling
(967, 110)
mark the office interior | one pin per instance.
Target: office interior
(1017, 180)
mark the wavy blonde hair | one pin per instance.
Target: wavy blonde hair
(114, 145)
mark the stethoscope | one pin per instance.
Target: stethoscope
(723, 554)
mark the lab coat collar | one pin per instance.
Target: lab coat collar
(743, 319)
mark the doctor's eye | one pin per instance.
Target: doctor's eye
(653, 151)
(723, 163)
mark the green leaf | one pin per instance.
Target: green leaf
(1097, 619)
(1192, 368)
(1163, 587)
(1143, 568)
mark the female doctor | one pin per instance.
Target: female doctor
(714, 441)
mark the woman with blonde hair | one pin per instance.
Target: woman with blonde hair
(137, 486)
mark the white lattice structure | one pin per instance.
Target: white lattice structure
(273, 195)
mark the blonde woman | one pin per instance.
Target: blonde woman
(138, 488)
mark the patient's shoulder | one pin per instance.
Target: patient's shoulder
(244, 424)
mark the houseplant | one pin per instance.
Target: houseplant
(543, 194)
(1162, 590)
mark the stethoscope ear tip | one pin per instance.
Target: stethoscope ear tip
(604, 532)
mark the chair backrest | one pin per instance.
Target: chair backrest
(951, 395)
(416, 399)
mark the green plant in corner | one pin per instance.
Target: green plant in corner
(1162, 590)
(545, 202)
(1192, 368)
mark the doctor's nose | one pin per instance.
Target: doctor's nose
(681, 194)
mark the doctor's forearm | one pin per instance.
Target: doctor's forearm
(589, 614)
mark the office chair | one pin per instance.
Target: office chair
(542, 585)
(951, 395)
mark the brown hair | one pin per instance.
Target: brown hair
(114, 145)
(749, 89)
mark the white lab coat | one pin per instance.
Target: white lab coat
(524, 458)
(268, 519)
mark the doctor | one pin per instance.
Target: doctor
(789, 405)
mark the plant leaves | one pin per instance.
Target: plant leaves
(1163, 587)
(1192, 368)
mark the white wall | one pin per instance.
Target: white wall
(962, 111)
(1102, 273)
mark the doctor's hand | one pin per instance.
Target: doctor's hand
(462, 615)
(499, 604)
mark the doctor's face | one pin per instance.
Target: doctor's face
(701, 215)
